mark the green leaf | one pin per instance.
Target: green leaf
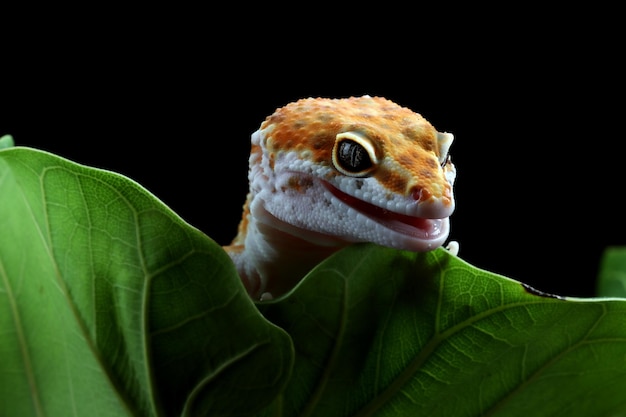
(6, 141)
(612, 276)
(380, 332)
(111, 305)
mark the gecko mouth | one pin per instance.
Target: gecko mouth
(417, 227)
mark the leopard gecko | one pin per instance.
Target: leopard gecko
(325, 173)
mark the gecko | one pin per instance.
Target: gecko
(325, 173)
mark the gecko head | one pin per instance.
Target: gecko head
(354, 170)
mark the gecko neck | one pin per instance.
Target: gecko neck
(273, 248)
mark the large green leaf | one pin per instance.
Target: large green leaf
(111, 305)
(380, 332)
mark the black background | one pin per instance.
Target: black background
(536, 110)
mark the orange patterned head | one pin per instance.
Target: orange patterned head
(354, 169)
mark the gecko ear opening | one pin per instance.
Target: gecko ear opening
(354, 155)
(444, 140)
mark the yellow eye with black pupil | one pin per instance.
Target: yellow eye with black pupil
(353, 157)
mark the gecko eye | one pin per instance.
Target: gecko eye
(446, 161)
(444, 140)
(354, 155)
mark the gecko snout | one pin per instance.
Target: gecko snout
(429, 206)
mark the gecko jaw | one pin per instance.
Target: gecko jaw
(420, 228)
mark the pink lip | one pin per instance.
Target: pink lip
(417, 227)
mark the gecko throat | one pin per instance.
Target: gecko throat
(417, 227)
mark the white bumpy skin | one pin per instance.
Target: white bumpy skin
(325, 173)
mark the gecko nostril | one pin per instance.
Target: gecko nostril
(420, 194)
(416, 193)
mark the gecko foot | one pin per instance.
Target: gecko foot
(266, 296)
(453, 247)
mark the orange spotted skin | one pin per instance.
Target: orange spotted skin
(405, 141)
